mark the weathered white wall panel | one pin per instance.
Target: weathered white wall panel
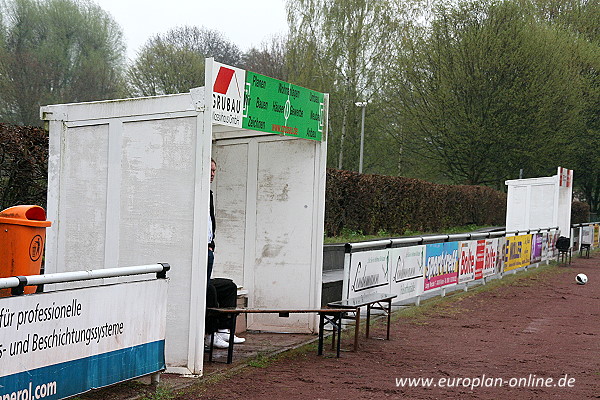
(538, 203)
(266, 203)
(285, 202)
(157, 203)
(156, 196)
(84, 176)
(125, 189)
(543, 197)
(517, 216)
(230, 193)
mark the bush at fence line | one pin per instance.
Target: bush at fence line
(23, 165)
(374, 203)
(580, 212)
(362, 203)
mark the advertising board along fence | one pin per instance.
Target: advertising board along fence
(66, 342)
(424, 266)
(584, 237)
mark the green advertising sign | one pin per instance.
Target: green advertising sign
(274, 106)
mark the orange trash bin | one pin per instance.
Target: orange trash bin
(22, 239)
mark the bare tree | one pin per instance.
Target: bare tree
(174, 62)
(342, 47)
(269, 59)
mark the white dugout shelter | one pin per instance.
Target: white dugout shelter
(540, 202)
(129, 184)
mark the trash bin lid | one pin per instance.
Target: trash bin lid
(27, 215)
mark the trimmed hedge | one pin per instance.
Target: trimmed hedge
(580, 212)
(23, 165)
(361, 203)
(374, 203)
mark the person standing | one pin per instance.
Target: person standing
(220, 292)
(212, 223)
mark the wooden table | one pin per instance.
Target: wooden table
(327, 316)
(377, 301)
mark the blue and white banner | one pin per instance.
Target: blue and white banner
(441, 265)
(59, 344)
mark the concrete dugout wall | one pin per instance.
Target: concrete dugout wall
(269, 197)
(129, 184)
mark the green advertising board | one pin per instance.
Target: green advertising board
(274, 106)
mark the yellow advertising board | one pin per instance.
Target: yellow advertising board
(517, 252)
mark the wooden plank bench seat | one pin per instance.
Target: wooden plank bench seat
(327, 316)
(376, 301)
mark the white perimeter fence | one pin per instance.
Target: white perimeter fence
(425, 266)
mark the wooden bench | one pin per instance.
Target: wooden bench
(376, 301)
(327, 316)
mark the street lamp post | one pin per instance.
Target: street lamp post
(363, 105)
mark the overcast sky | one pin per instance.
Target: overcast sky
(244, 22)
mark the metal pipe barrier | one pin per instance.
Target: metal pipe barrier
(387, 243)
(18, 283)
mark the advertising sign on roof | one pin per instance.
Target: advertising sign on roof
(245, 99)
(227, 95)
(274, 106)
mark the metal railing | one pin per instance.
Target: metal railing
(18, 283)
(417, 240)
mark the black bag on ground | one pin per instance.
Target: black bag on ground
(563, 243)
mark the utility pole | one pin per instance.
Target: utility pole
(363, 105)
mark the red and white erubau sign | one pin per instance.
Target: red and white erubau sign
(228, 95)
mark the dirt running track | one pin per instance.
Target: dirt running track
(543, 327)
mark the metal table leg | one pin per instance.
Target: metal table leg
(356, 328)
(210, 347)
(389, 317)
(368, 319)
(232, 324)
(338, 322)
(321, 328)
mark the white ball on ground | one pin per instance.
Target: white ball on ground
(581, 279)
